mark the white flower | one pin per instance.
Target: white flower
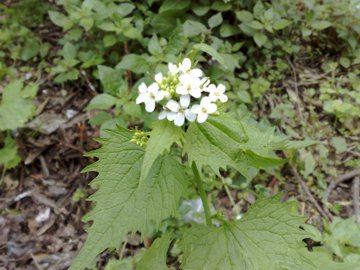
(189, 85)
(181, 109)
(166, 113)
(173, 69)
(185, 68)
(149, 95)
(204, 109)
(217, 93)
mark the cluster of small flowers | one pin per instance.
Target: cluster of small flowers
(184, 93)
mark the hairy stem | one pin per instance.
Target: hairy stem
(203, 195)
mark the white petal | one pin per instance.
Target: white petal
(182, 90)
(166, 94)
(223, 98)
(162, 115)
(171, 116)
(221, 88)
(172, 105)
(142, 88)
(205, 101)
(205, 82)
(185, 101)
(202, 117)
(213, 97)
(196, 72)
(190, 116)
(196, 109)
(159, 95)
(211, 88)
(159, 77)
(172, 68)
(150, 105)
(179, 119)
(186, 64)
(195, 92)
(211, 108)
(154, 87)
(141, 98)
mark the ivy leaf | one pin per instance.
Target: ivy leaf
(8, 154)
(222, 141)
(268, 237)
(163, 135)
(155, 256)
(14, 109)
(122, 205)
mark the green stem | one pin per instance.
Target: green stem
(203, 195)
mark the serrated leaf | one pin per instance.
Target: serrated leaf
(60, 19)
(122, 205)
(163, 135)
(165, 22)
(212, 52)
(222, 141)
(9, 157)
(155, 256)
(112, 81)
(268, 237)
(14, 109)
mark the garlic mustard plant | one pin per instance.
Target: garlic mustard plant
(143, 176)
(184, 93)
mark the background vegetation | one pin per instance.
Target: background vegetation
(70, 69)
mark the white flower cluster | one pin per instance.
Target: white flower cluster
(183, 94)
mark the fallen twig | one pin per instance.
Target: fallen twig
(356, 199)
(323, 211)
(339, 180)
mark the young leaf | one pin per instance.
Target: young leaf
(210, 51)
(101, 102)
(215, 20)
(133, 62)
(14, 109)
(155, 256)
(174, 5)
(268, 237)
(163, 135)
(260, 39)
(9, 157)
(122, 205)
(222, 141)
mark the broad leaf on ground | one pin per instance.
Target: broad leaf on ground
(268, 237)
(14, 109)
(9, 157)
(122, 205)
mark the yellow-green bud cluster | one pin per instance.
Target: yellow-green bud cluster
(140, 138)
(169, 84)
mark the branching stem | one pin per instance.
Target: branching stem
(203, 196)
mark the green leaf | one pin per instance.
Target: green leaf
(165, 22)
(134, 62)
(244, 16)
(60, 19)
(268, 237)
(101, 102)
(215, 20)
(220, 6)
(321, 25)
(210, 51)
(339, 143)
(122, 205)
(154, 46)
(309, 163)
(174, 5)
(222, 141)
(227, 30)
(163, 135)
(155, 257)
(14, 109)
(260, 39)
(281, 24)
(193, 28)
(9, 157)
(112, 81)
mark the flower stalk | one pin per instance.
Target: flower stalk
(203, 196)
